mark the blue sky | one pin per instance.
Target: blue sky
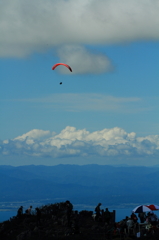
(112, 92)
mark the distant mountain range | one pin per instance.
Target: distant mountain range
(87, 184)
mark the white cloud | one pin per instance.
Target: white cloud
(83, 61)
(73, 102)
(36, 25)
(72, 142)
(33, 134)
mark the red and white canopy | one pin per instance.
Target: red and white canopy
(153, 207)
(141, 208)
(145, 208)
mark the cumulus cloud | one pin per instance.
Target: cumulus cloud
(83, 61)
(34, 134)
(72, 142)
(35, 25)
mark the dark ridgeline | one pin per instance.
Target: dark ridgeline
(59, 221)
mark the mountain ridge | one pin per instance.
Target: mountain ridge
(86, 183)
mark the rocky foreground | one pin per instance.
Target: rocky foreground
(54, 222)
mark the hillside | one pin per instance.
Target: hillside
(82, 184)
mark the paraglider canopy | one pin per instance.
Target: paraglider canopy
(57, 64)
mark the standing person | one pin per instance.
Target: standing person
(123, 225)
(38, 215)
(97, 210)
(148, 217)
(134, 217)
(69, 208)
(28, 211)
(142, 217)
(102, 215)
(20, 212)
(153, 218)
(107, 216)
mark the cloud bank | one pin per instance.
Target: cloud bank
(72, 142)
(36, 25)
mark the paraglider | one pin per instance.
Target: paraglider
(57, 64)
